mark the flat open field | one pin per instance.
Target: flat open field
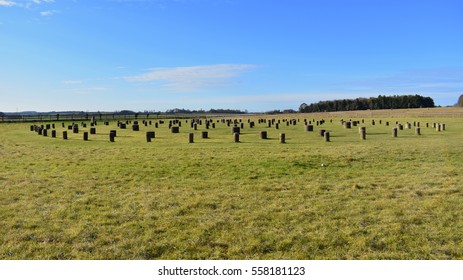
(379, 198)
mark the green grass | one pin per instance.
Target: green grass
(383, 198)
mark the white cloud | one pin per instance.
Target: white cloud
(193, 77)
(43, 1)
(48, 13)
(7, 3)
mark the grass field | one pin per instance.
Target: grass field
(379, 198)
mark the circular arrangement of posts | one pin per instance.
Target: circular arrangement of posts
(236, 126)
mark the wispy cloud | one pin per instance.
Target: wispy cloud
(7, 3)
(48, 13)
(193, 78)
(43, 1)
(24, 4)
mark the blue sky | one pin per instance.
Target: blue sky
(251, 55)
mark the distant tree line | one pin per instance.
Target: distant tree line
(87, 115)
(372, 103)
(211, 111)
(277, 112)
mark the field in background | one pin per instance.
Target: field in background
(379, 198)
